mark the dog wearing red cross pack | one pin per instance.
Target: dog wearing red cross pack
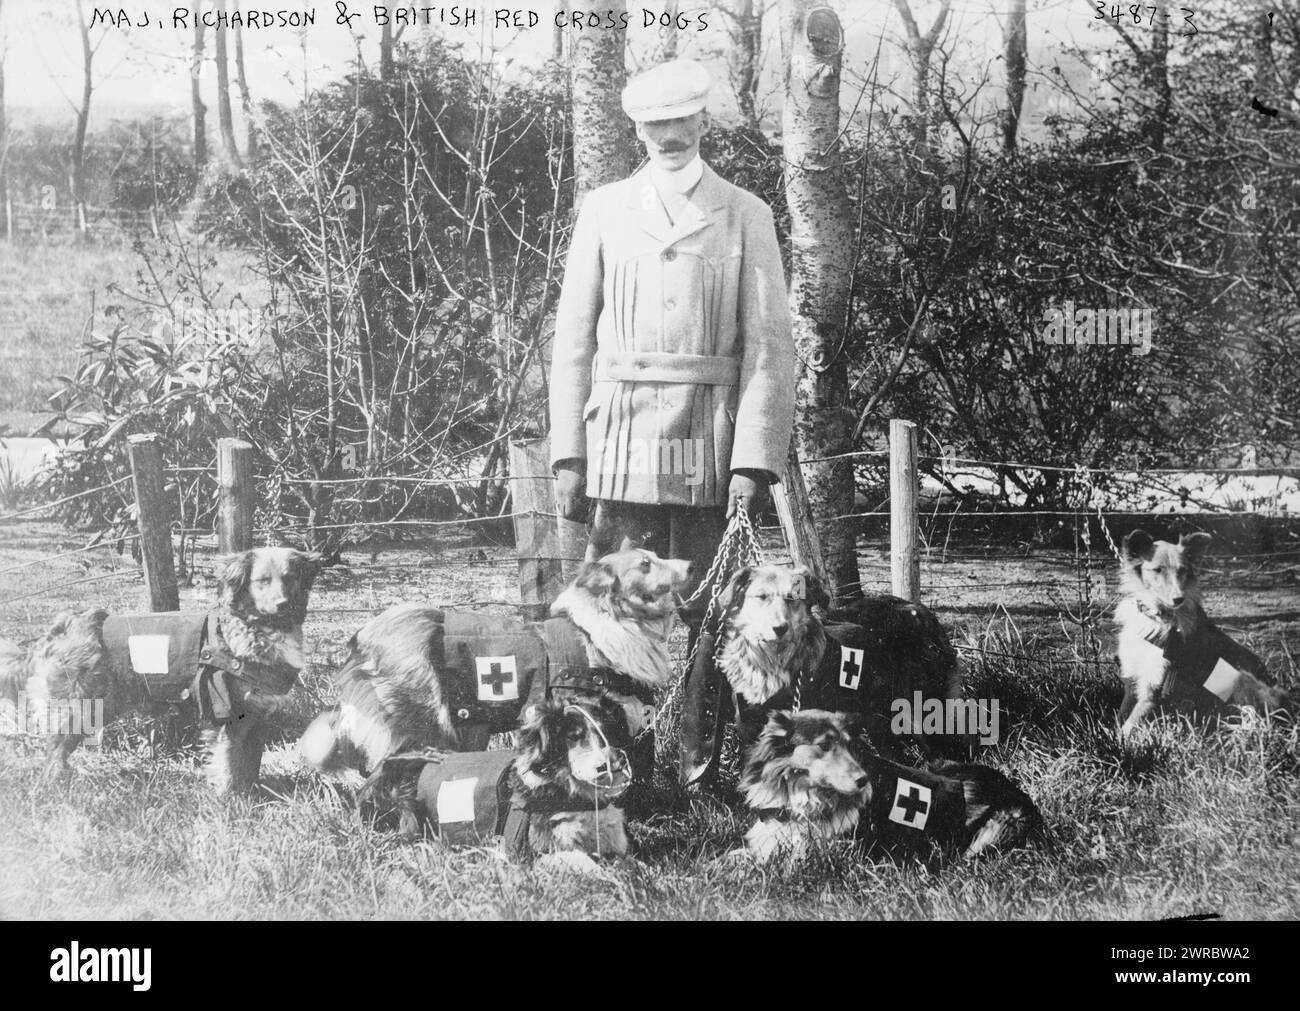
(418, 676)
(812, 778)
(1170, 653)
(234, 665)
(777, 653)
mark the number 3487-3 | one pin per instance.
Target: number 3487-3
(1144, 14)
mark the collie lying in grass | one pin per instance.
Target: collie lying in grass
(807, 784)
(555, 795)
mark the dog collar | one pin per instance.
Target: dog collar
(263, 677)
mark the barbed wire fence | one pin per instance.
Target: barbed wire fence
(1079, 585)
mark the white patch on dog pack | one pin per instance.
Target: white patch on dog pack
(148, 653)
(1222, 680)
(497, 678)
(911, 804)
(456, 801)
(850, 667)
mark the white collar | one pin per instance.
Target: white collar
(683, 180)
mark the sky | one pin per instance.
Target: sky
(144, 70)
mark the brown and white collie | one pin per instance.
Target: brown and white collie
(778, 654)
(555, 795)
(1170, 652)
(397, 686)
(237, 662)
(810, 781)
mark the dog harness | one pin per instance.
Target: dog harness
(864, 668)
(475, 795)
(494, 665)
(1197, 670)
(1198, 667)
(908, 805)
(180, 656)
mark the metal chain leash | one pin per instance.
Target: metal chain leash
(739, 545)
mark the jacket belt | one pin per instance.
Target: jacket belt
(663, 367)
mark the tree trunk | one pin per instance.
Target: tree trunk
(386, 51)
(666, 47)
(196, 100)
(77, 173)
(4, 124)
(1156, 81)
(602, 136)
(224, 118)
(744, 58)
(919, 49)
(1016, 40)
(557, 32)
(245, 96)
(821, 242)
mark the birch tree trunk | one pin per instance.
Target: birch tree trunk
(1016, 50)
(744, 57)
(77, 170)
(602, 134)
(666, 47)
(821, 242)
(225, 120)
(245, 96)
(4, 125)
(197, 107)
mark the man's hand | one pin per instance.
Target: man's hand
(570, 493)
(747, 487)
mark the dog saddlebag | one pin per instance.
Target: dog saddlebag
(1198, 671)
(492, 662)
(911, 805)
(467, 793)
(160, 649)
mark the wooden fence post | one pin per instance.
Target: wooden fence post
(145, 452)
(790, 496)
(904, 521)
(549, 549)
(236, 498)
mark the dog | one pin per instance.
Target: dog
(555, 795)
(237, 663)
(810, 780)
(70, 648)
(419, 677)
(777, 654)
(1170, 652)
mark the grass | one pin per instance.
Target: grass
(47, 293)
(1182, 821)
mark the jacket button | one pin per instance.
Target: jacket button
(669, 256)
(671, 304)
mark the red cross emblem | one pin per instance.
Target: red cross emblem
(911, 804)
(850, 667)
(497, 679)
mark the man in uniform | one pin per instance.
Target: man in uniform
(672, 381)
